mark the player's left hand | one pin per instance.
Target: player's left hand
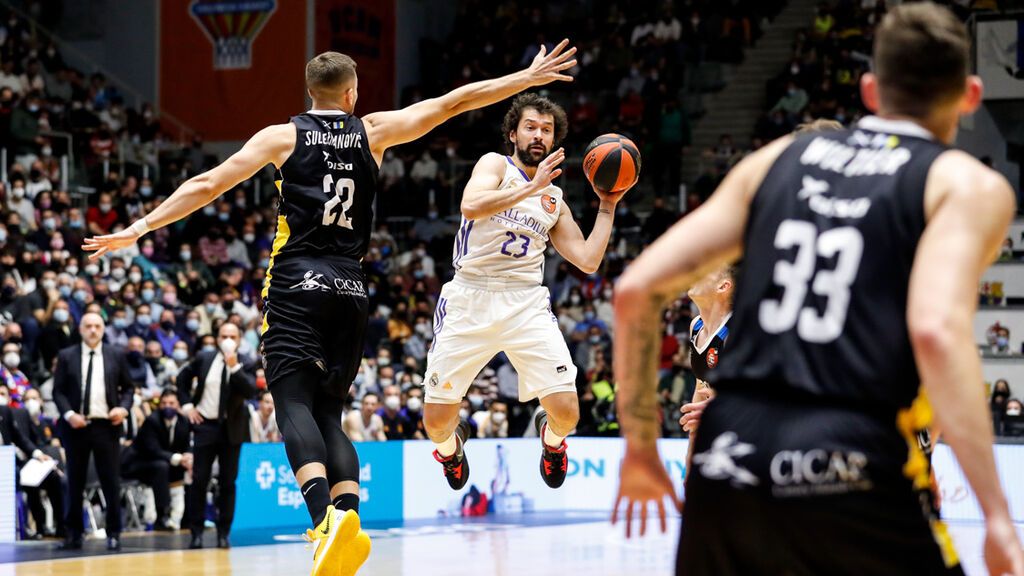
(643, 479)
(610, 197)
(692, 413)
(109, 243)
(547, 68)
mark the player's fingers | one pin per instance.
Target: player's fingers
(99, 254)
(556, 173)
(565, 55)
(566, 65)
(559, 47)
(629, 519)
(542, 51)
(615, 510)
(661, 515)
(643, 519)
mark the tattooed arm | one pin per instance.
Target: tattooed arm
(700, 243)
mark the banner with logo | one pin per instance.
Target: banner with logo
(364, 30)
(228, 68)
(505, 477)
(268, 496)
(8, 472)
(958, 500)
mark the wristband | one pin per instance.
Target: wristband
(140, 227)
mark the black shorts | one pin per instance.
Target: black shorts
(800, 488)
(315, 312)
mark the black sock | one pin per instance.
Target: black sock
(318, 498)
(346, 502)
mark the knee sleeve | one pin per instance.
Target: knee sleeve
(342, 461)
(294, 406)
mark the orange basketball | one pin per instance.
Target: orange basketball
(612, 163)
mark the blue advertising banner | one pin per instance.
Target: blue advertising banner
(268, 496)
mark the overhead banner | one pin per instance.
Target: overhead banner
(228, 68)
(364, 30)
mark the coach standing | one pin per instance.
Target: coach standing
(93, 391)
(213, 389)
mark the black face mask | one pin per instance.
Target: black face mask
(167, 325)
(229, 305)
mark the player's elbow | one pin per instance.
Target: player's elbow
(589, 267)
(470, 211)
(934, 335)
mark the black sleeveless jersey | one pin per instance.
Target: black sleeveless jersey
(820, 299)
(702, 361)
(327, 188)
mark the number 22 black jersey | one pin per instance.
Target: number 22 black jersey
(327, 188)
(820, 301)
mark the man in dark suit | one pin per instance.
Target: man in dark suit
(213, 389)
(11, 432)
(159, 456)
(93, 391)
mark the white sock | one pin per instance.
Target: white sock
(448, 447)
(552, 440)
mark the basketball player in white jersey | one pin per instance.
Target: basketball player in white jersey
(495, 303)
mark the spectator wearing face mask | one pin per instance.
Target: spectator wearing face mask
(18, 202)
(574, 304)
(466, 415)
(140, 372)
(362, 423)
(1000, 397)
(101, 218)
(164, 368)
(41, 432)
(166, 334)
(150, 270)
(1002, 344)
(1013, 421)
(263, 419)
(117, 331)
(494, 422)
(413, 413)
(143, 325)
(395, 423)
(15, 380)
(58, 333)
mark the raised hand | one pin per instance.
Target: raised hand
(548, 169)
(547, 68)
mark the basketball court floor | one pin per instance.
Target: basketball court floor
(539, 545)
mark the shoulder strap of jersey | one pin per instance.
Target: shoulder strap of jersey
(697, 325)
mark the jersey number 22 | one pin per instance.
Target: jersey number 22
(336, 209)
(777, 316)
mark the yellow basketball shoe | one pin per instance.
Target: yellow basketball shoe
(340, 547)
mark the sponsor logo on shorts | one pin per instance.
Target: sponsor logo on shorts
(712, 357)
(562, 369)
(433, 380)
(342, 287)
(447, 386)
(548, 203)
(719, 462)
(818, 472)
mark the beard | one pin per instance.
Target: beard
(531, 154)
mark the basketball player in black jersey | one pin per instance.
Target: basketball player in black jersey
(708, 333)
(862, 252)
(315, 311)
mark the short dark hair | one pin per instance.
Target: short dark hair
(541, 105)
(921, 58)
(329, 71)
(169, 391)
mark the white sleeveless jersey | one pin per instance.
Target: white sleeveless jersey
(509, 244)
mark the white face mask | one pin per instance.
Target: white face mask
(11, 360)
(137, 400)
(228, 346)
(393, 402)
(5, 400)
(33, 406)
(1013, 412)
(497, 418)
(414, 404)
(463, 414)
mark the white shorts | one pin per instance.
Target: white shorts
(472, 324)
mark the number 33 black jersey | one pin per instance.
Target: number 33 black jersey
(820, 301)
(327, 188)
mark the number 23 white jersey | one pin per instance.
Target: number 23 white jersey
(509, 244)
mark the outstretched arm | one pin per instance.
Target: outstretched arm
(387, 129)
(272, 145)
(585, 253)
